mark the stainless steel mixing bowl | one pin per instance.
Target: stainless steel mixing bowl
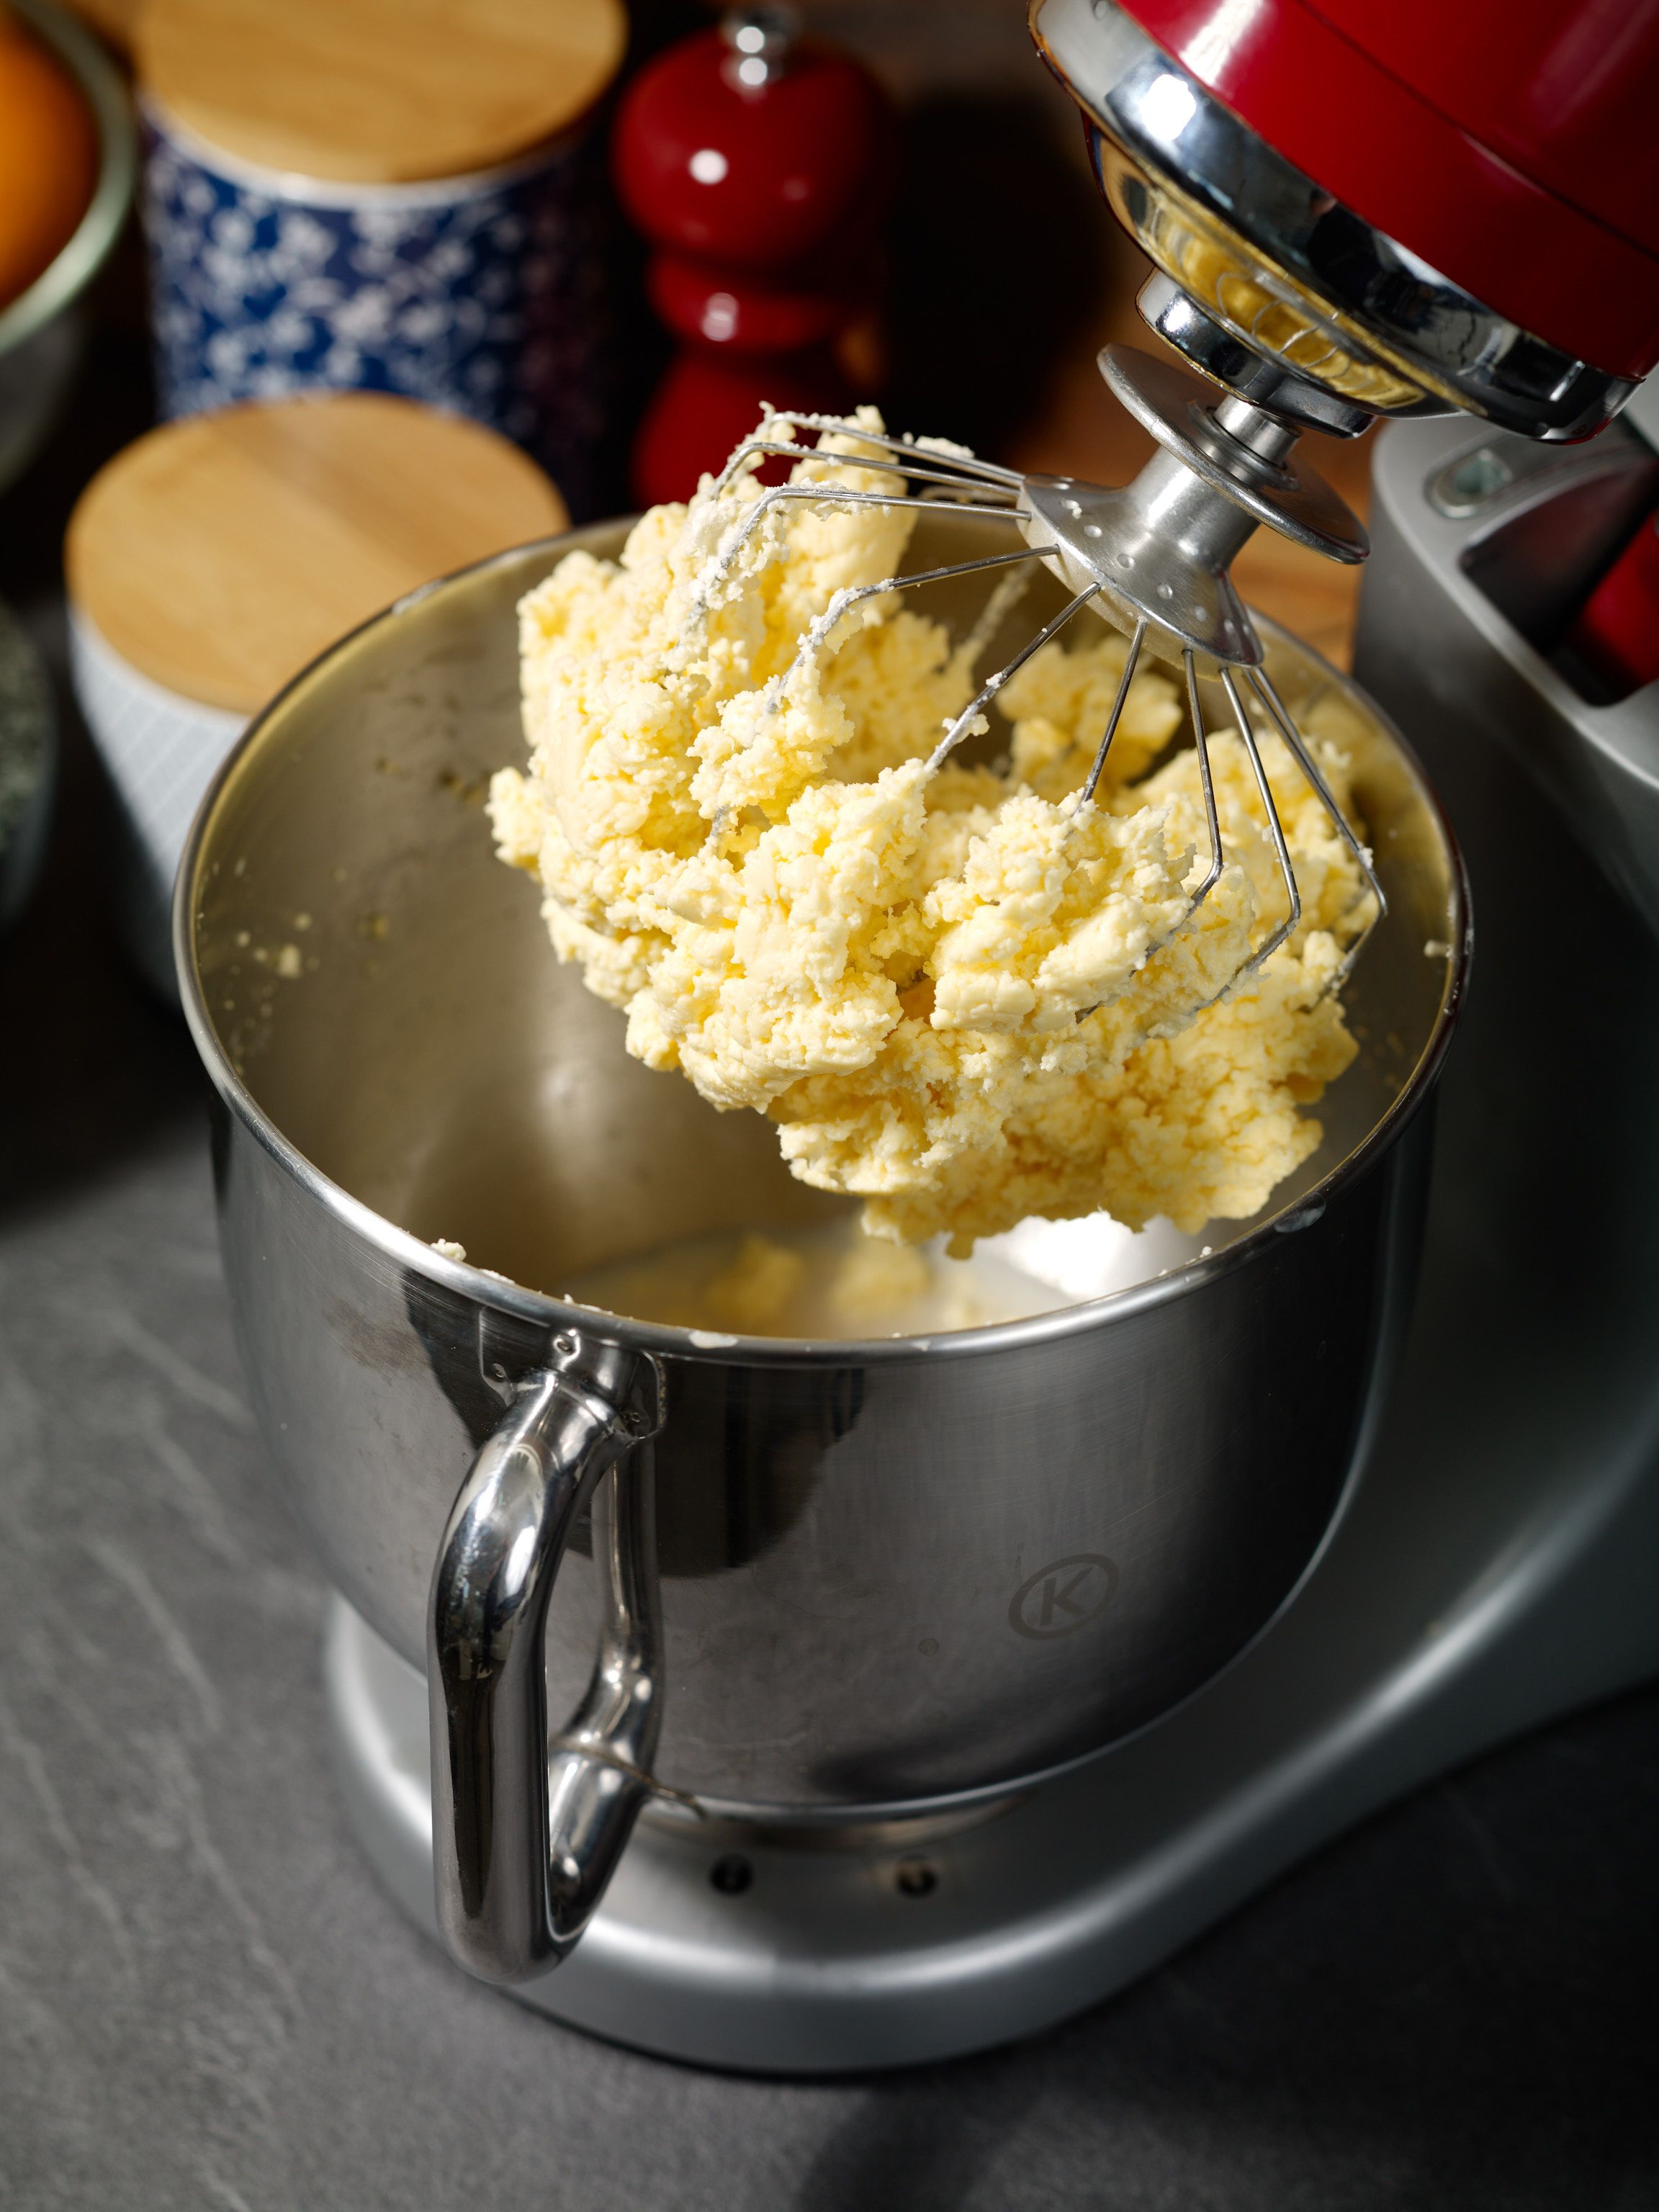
(830, 1580)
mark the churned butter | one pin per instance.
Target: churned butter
(963, 997)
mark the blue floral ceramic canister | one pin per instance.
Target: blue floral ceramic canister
(384, 194)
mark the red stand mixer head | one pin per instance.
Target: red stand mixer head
(1360, 212)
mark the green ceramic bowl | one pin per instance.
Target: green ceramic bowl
(39, 332)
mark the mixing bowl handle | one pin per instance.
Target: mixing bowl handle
(526, 1835)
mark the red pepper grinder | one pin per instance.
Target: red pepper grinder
(755, 162)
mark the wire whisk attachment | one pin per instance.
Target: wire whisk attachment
(1151, 558)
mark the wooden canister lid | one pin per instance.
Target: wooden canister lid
(378, 92)
(220, 554)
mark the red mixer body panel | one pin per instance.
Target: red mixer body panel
(1512, 144)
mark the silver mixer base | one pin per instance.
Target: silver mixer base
(906, 1948)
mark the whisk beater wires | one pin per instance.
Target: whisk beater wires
(981, 699)
(960, 482)
(1086, 797)
(924, 477)
(815, 638)
(1263, 684)
(1275, 937)
(916, 459)
(1207, 783)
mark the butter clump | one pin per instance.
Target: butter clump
(962, 997)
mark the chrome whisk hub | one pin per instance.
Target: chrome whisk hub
(1160, 548)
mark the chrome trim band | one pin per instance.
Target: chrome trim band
(1247, 373)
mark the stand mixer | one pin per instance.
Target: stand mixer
(1204, 1589)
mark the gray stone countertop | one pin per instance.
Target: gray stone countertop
(206, 2001)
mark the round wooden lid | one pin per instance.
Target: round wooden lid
(220, 554)
(378, 91)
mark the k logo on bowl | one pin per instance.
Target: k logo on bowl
(1063, 1597)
